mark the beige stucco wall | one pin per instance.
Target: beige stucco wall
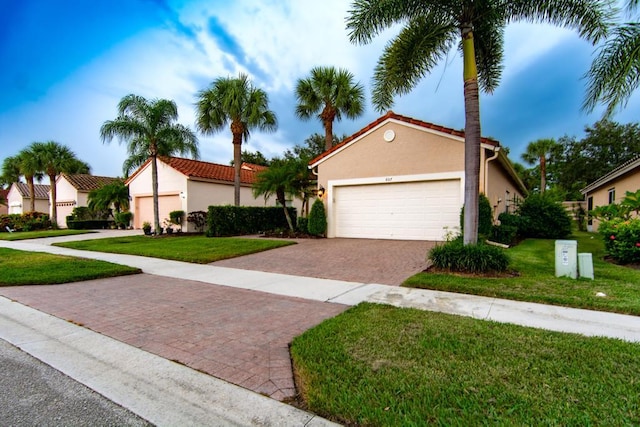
(412, 152)
(500, 188)
(628, 182)
(19, 205)
(66, 200)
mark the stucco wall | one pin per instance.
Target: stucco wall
(500, 188)
(66, 200)
(412, 152)
(627, 182)
(19, 205)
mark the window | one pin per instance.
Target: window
(612, 195)
(589, 209)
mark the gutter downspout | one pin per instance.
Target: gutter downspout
(496, 151)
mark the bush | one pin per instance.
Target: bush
(317, 219)
(123, 219)
(478, 258)
(544, 218)
(505, 234)
(29, 221)
(198, 219)
(303, 225)
(239, 220)
(622, 239)
(176, 217)
(485, 216)
(89, 224)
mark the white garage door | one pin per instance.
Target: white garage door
(144, 209)
(401, 211)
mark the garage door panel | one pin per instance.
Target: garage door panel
(411, 211)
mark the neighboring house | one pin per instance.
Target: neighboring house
(19, 200)
(612, 187)
(73, 191)
(189, 185)
(401, 178)
(4, 208)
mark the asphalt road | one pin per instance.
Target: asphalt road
(33, 393)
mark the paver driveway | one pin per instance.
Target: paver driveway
(238, 335)
(386, 262)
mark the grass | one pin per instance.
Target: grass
(35, 268)
(385, 366)
(534, 259)
(23, 235)
(196, 249)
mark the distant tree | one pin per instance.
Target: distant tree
(234, 101)
(114, 193)
(329, 93)
(53, 159)
(431, 28)
(312, 147)
(256, 158)
(31, 170)
(540, 151)
(150, 130)
(615, 72)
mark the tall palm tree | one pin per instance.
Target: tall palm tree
(53, 159)
(431, 28)
(540, 151)
(149, 129)
(29, 168)
(615, 73)
(114, 193)
(329, 93)
(237, 102)
(10, 171)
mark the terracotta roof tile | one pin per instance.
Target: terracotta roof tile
(86, 182)
(42, 191)
(213, 171)
(392, 115)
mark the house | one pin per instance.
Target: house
(73, 191)
(402, 178)
(612, 187)
(189, 185)
(4, 205)
(19, 199)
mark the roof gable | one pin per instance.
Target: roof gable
(199, 170)
(614, 174)
(86, 182)
(397, 118)
(41, 191)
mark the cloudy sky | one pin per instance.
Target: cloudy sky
(65, 64)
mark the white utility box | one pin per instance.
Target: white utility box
(585, 265)
(567, 258)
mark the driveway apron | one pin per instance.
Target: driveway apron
(385, 262)
(238, 335)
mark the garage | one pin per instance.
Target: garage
(144, 208)
(401, 210)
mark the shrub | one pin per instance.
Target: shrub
(622, 239)
(123, 219)
(542, 217)
(198, 219)
(485, 216)
(303, 224)
(505, 234)
(239, 220)
(176, 217)
(478, 258)
(317, 219)
(89, 224)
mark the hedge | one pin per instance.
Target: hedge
(240, 220)
(89, 224)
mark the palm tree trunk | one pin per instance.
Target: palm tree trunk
(154, 186)
(283, 201)
(472, 139)
(328, 134)
(54, 199)
(543, 174)
(237, 165)
(32, 193)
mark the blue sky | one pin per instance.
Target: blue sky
(65, 64)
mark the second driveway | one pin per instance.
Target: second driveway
(386, 262)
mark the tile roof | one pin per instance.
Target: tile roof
(391, 115)
(4, 194)
(86, 182)
(208, 171)
(41, 190)
(617, 172)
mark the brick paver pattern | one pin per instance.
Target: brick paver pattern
(238, 335)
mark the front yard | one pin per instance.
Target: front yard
(533, 259)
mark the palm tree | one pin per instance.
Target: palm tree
(278, 179)
(431, 28)
(245, 107)
(53, 159)
(10, 171)
(149, 129)
(615, 73)
(539, 152)
(29, 168)
(114, 193)
(329, 93)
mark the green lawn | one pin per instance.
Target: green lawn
(197, 249)
(384, 366)
(35, 268)
(23, 235)
(533, 259)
